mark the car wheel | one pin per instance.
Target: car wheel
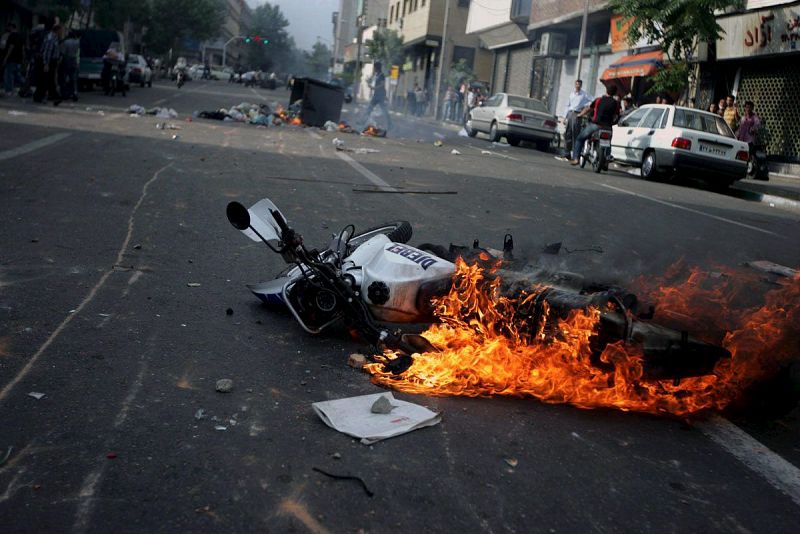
(150, 83)
(649, 166)
(494, 135)
(513, 141)
(543, 145)
(141, 84)
(472, 132)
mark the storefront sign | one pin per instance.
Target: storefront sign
(395, 72)
(770, 31)
(619, 35)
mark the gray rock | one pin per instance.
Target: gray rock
(382, 405)
(225, 385)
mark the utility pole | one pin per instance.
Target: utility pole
(360, 34)
(225, 48)
(583, 38)
(442, 59)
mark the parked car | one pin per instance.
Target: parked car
(94, 44)
(516, 118)
(662, 139)
(139, 71)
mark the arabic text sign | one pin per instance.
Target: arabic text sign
(771, 31)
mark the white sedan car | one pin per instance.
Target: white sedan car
(516, 118)
(662, 139)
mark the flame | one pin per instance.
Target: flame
(296, 122)
(486, 351)
(373, 131)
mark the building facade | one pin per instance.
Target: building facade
(238, 20)
(758, 59)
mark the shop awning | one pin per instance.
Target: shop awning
(637, 65)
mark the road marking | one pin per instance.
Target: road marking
(366, 173)
(30, 147)
(690, 210)
(126, 404)
(781, 474)
(92, 293)
(86, 498)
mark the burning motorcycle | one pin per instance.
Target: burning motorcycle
(373, 281)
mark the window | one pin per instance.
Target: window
(633, 119)
(652, 119)
(463, 3)
(702, 122)
(527, 103)
(495, 101)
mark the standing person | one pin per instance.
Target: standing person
(713, 108)
(378, 99)
(419, 98)
(12, 59)
(411, 101)
(70, 59)
(749, 125)
(721, 107)
(731, 114)
(46, 82)
(578, 99)
(472, 101)
(605, 112)
(447, 109)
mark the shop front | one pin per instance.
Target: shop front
(758, 58)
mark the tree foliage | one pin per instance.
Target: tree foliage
(460, 73)
(174, 21)
(270, 23)
(318, 60)
(386, 46)
(678, 26)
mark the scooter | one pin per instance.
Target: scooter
(597, 150)
(373, 279)
(757, 167)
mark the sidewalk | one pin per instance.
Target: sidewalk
(782, 188)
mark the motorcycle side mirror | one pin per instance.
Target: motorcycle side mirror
(238, 215)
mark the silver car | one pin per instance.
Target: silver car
(516, 118)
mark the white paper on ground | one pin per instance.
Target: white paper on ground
(353, 416)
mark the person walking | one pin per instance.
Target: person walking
(12, 59)
(47, 66)
(70, 59)
(749, 125)
(605, 113)
(578, 100)
(378, 99)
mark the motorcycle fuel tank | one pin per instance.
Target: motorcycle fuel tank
(393, 275)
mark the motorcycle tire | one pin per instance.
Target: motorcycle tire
(599, 161)
(397, 232)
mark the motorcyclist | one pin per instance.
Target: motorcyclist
(604, 114)
(180, 71)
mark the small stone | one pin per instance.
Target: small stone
(229, 311)
(224, 385)
(200, 414)
(193, 284)
(382, 405)
(336, 456)
(137, 247)
(512, 462)
(356, 360)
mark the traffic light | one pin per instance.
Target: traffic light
(257, 39)
(247, 40)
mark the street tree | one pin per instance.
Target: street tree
(175, 21)
(678, 26)
(460, 73)
(318, 60)
(386, 46)
(270, 23)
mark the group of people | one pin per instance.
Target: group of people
(746, 125)
(49, 61)
(459, 102)
(417, 101)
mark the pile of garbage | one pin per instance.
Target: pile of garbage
(258, 114)
(161, 113)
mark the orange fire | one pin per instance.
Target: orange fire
(296, 122)
(373, 131)
(484, 352)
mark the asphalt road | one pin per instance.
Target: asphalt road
(106, 219)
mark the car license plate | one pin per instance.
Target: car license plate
(712, 149)
(605, 142)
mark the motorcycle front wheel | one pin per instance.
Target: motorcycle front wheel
(397, 231)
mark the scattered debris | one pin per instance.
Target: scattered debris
(36, 395)
(136, 109)
(8, 454)
(193, 284)
(167, 126)
(487, 152)
(345, 477)
(512, 462)
(224, 385)
(438, 143)
(174, 137)
(221, 428)
(773, 268)
(597, 249)
(15, 113)
(382, 405)
(463, 132)
(373, 131)
(137, 246)
(405, 191)
(357, 360)
(111, 455)
(200, 414)
(336, 456)
(552, 248)
(352, 416)
(340, 146)
(455, 152)
(331, 126)
(229, 311)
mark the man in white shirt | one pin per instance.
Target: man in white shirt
(578, 99)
